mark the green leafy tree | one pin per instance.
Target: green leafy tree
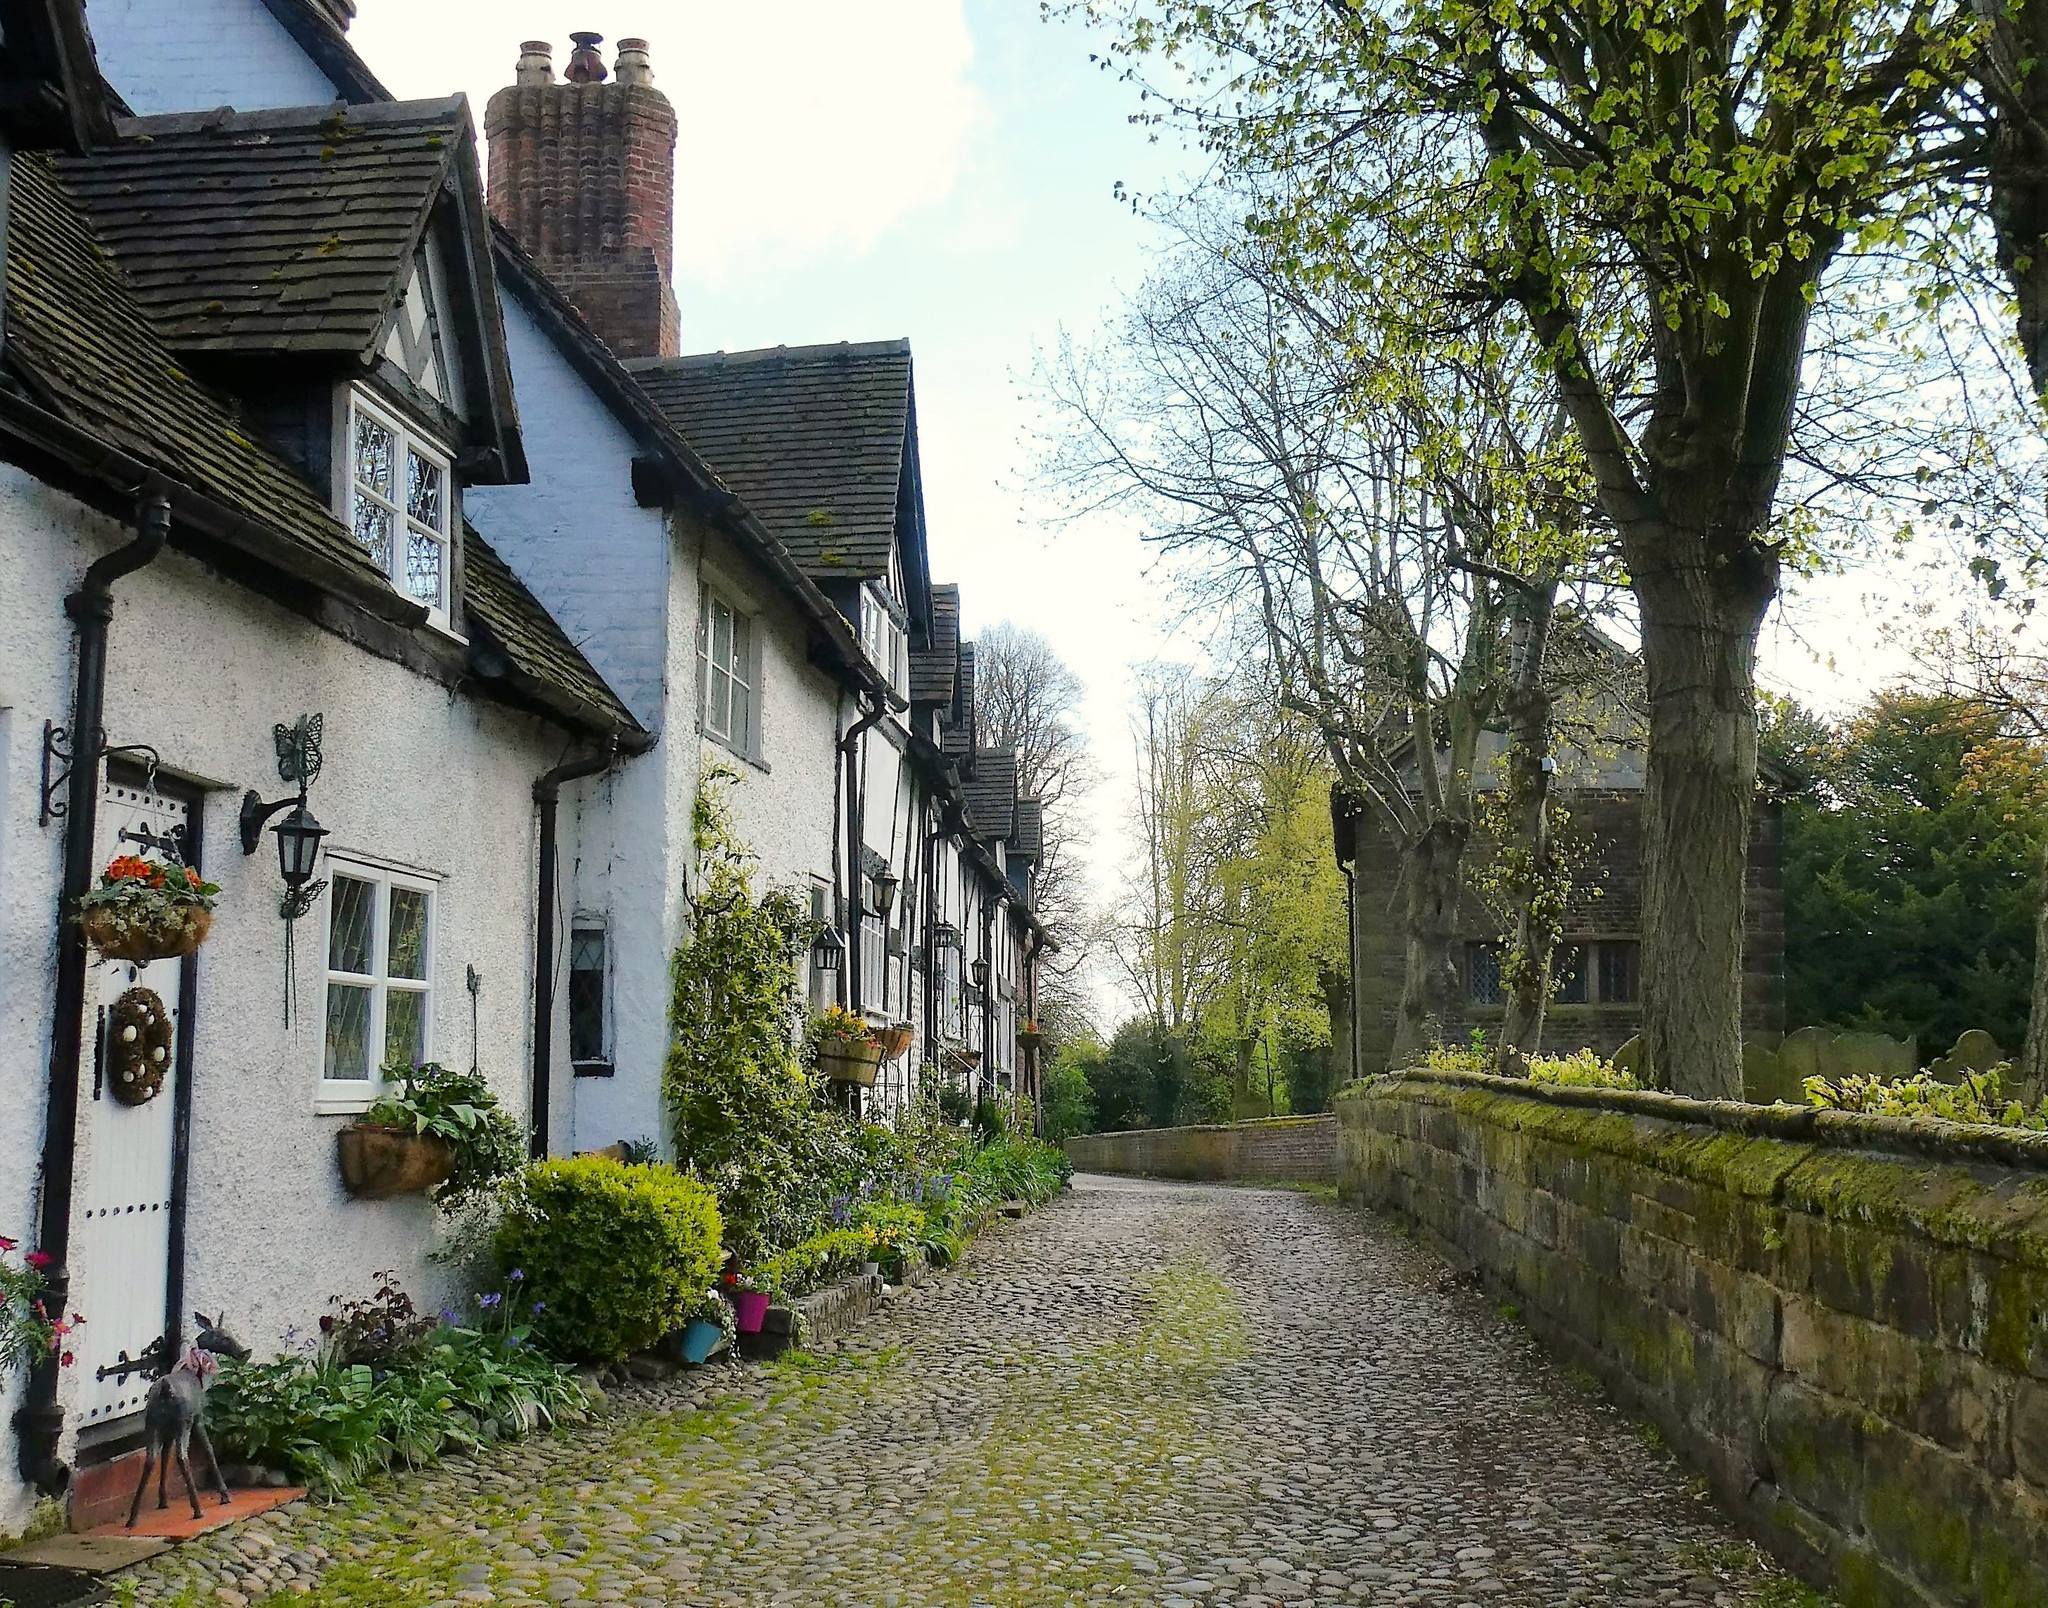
(1658, 189)
(1069, 1104)
(1908, 871)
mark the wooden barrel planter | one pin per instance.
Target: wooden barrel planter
(116, 934)
(850, 1061)
(378, 1162)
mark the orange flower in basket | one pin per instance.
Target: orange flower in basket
(191, 877)
(130, 868)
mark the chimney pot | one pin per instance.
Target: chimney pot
(536, 63)
(632, 66)
(586, 66)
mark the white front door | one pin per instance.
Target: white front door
(121, 1237)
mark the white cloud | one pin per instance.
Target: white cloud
(808, 128)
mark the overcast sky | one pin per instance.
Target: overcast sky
(942, 170)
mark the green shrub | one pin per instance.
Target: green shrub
(613, 1254)
(1582, 1069)
(813, 1263)
(1451, 1058)
(1981, 1097)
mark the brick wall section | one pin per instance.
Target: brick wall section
(1842, 1319)
(1274, 1149)
(1607, 903)
(584, 175)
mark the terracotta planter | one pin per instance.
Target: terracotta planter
(1030, 1038)
(850, 1061)
(117, 935)
(895, 1040)
(378, 1162)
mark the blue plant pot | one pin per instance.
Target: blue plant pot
(700, 1339)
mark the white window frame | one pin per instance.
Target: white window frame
(577, 926)
(741, 670)
(874, 951)
(340, 1095)
(886, 643)
(410, 439)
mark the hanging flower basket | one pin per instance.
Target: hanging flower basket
(1030, 1036)
(145, 910)
(849, 1051)
(896, 1039)
(850, 1060)
(379, 1161)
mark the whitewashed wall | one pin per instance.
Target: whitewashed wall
(192, 55)
(415, 776)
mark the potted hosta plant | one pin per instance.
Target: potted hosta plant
(848, 1049)
(144, 910)
(437, 1129)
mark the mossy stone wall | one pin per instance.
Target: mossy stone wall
(1843, 1320)
(1276, 1149)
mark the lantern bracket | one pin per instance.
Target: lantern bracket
(298, 760)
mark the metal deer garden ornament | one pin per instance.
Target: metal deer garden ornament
(174, 1413)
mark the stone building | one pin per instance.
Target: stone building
(1598, 1001)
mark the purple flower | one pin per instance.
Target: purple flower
(448, 1314)
(516, 1274)
(539, 1306)
(489, 1300)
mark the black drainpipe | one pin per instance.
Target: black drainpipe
(547, 793)
(856, 840)
(39, 1424)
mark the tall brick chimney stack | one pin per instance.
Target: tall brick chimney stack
(584, 175)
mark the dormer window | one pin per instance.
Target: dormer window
(884, 641)
(399, 503)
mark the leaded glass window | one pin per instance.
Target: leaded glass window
(379, 978)
(399, 504)
(586, 995)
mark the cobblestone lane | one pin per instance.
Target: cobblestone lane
(1145, 1394)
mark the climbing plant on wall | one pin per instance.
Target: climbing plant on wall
(739, 1100)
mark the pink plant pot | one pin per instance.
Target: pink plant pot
(749, 1308)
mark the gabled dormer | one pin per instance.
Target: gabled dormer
(329, 267)
(821, 442)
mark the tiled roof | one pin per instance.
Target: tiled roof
(932, 669)
(76, 335)
(272, 231)
(1030, 835)
(813, 437)
(959, 734)
(991, 793)
(528, 635)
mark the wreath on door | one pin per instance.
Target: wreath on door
(139, 1055)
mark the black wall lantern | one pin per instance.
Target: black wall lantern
(827, 950)
(298, 834)
(886, 884)
(980, 970)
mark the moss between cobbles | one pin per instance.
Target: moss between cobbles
(1020, 1509)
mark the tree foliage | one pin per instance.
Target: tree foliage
(1909, 857)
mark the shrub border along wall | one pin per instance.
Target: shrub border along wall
(1842, 1318)
(1300, 1149)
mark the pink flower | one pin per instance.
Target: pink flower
(7, 1244)
(67, 1359)
(39, 1259)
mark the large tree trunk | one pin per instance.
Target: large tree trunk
(1700, 619)
(1336, 991)
(2032, 1068)
(1539, 905)
(1433, 878)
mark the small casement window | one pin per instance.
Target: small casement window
(874, 949)
(725, 651)
(379, 964)
(399, 504)
(587, 972)
(1482, 973)
(885, 642)
(1620, 971)
(1572, 975)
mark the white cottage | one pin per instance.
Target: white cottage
(254, 369)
